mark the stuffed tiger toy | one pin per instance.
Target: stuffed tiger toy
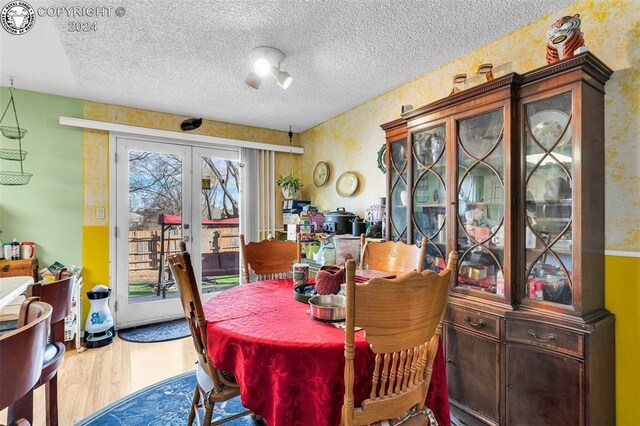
(564, 38)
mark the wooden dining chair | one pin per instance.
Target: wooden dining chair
(213, 385)
(268, 259)
(402, 321)
(58, 295)
(21, 355)
(396, 257)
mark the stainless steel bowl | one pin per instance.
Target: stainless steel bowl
(330, 307)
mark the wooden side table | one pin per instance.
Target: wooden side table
(14, 268)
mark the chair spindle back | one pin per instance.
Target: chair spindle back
(396, 257)
(402, 319)
(182, 270)
(268, 259)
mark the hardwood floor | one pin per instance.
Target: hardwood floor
(91, 379)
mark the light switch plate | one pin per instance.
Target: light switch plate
(99, 212)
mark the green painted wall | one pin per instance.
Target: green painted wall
(49, 209)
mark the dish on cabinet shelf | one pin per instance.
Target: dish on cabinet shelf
(547, 126)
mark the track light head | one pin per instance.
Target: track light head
(253, 80)
(263, 58)
(266, 60)
(284, 79)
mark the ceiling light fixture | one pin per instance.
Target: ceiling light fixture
(264, 61)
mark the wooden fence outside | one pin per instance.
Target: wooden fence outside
(144, 248)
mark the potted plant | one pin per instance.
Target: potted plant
(290, 186)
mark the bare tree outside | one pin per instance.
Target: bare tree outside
(155, 188)
(224, 176)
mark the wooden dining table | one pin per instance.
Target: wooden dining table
(289, 366)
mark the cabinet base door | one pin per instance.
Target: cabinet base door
(543, 388)
(473, 372)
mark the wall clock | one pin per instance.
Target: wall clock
(320, 174)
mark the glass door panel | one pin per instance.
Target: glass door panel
(549, 203)
(398, 206)
(167, 194)
(155, 222)
(152, 187)
(429, 194)
(480, 177)
(219, 218)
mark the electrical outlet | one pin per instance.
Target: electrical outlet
(99, 212)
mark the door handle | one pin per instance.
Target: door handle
(185, 226)
(185, 239)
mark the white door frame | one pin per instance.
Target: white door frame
(170, 308)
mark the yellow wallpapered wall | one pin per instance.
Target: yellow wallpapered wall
(622, 297)
(349, 142)
(612, 31)
(96, 178)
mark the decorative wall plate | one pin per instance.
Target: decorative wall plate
(347, 184)
(321, 174)
(382, 158)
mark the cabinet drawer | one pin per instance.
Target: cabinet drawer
(545, 336)
(474, 320)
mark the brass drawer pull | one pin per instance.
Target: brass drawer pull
(479, 324)
(551, 339)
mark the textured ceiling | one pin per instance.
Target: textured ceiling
(191, 57)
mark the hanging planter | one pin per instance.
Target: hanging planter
(17, 133)
(289, 184)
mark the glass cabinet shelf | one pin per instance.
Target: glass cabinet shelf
(428, 211)
(549, 200)
(480, 201)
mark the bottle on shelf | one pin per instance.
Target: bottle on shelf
(15, 249)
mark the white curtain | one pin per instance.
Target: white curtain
(257, 193)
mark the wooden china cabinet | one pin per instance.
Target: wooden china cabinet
(511, 175)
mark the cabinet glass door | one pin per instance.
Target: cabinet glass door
(548, 200)
(429, 194)
(480, 179)
(398, 206)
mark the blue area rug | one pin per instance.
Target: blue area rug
(170, 330)
(165, 403)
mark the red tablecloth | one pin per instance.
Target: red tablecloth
(290, 367)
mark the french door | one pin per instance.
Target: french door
(168, 193)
